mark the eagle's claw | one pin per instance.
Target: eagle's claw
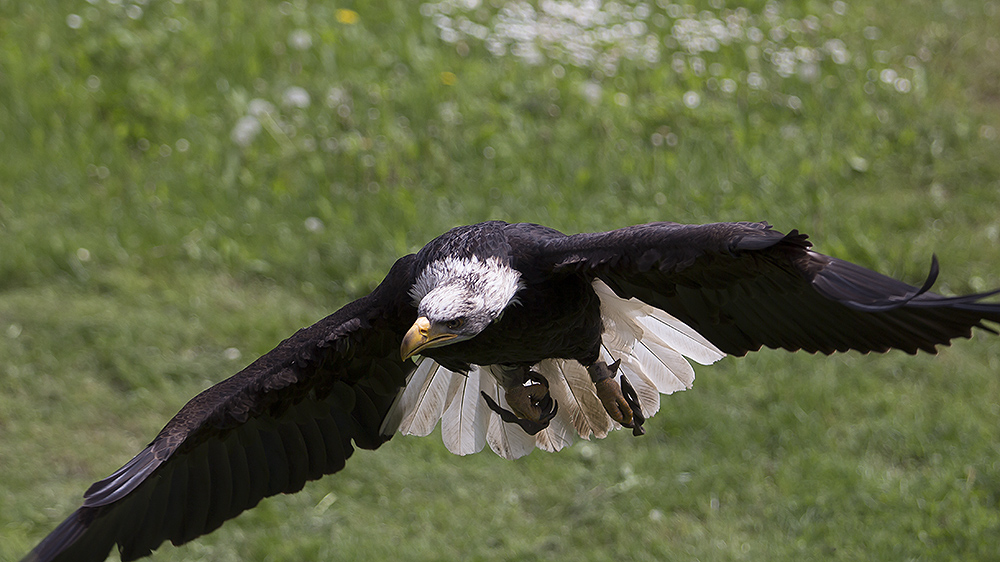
(621, 402)
(531, 427)
(532, 405)
(633, 402)
(531, 401)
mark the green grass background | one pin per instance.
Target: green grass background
(144, 255)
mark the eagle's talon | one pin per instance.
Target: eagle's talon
(532, 401)
(531, 427)
(633, 402)
(531, 405)
(621, 402)
(549, 406)
(614, 403)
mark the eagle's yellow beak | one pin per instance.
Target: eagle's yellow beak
(422, 335)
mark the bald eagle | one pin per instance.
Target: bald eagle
(514, 336)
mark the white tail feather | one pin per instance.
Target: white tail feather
(666, 368)
(558, 434)
(423, 399)
(570, 386)
(678, 336)
(466, 415)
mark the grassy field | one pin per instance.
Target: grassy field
(184, 184)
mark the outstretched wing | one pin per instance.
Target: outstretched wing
(289, 417)
(745, 285)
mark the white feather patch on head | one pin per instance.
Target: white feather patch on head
(449, 287)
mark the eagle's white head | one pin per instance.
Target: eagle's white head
(456, 298)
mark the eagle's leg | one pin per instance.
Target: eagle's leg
(620, 402)
(527, 394)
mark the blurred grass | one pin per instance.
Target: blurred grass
(147, 251)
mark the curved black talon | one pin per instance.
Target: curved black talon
(633, 402)
(529, 426)
(546, 404)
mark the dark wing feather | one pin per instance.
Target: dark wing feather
(288, 418)
(745, 285)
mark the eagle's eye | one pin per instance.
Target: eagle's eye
(455, 324)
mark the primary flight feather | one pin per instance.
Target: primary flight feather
(514, 336)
